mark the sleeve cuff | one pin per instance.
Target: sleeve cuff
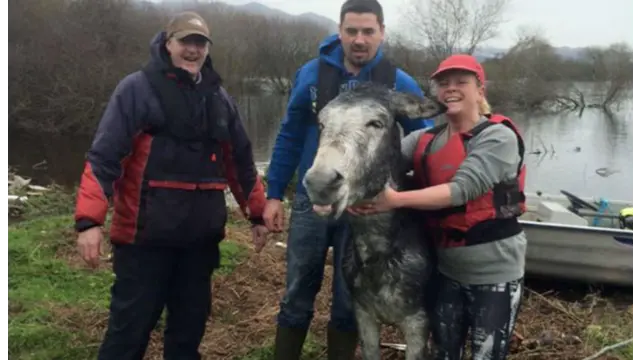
(457, 197)
(85, 224)
(257, 221)
(275, 191)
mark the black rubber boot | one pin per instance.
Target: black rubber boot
(341, 345)
(289, 343)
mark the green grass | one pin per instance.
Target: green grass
(53, 307)
(311, 350)
(611, 330)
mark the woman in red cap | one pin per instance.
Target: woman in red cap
(471, 181)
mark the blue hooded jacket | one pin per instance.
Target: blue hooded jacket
(297, 141)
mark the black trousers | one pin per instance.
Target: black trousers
(148, 278)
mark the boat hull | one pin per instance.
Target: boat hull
(587, 254)
(593, 254)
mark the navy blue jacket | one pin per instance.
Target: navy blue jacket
(166, 163)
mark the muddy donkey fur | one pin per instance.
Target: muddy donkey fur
(387, 262)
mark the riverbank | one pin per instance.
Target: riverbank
(59, 309)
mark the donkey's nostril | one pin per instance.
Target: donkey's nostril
(323, 182)
(338, 177)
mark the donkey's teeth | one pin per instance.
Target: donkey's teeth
(323, 210)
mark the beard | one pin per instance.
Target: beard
(359, 56)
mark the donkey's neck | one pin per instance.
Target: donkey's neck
(373, 233)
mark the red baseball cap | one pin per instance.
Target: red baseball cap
(461, 62)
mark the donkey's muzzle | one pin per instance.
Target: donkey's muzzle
(322, 185)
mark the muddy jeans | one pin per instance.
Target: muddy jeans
(485, 312)
(310, 236)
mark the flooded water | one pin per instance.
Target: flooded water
(576, 146)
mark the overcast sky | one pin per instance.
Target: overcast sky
(564, 22)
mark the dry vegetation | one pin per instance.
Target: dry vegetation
(59, 310)
(65, 57)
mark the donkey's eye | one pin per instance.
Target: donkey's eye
(375, 124)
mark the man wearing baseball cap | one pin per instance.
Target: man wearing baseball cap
(169, 143)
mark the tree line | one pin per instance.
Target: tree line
(66, 56)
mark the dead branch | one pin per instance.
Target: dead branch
(606, 349)
(553, 305)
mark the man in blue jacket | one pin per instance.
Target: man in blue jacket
(345, 59)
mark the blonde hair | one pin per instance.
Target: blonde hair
(485, 108)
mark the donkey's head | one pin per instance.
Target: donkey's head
(359, 144)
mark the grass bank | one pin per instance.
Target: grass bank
(58, 308)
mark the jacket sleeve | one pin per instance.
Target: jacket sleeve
(111, 144)
(493, 157)
(289, 143)
(244, 181)
(406, 83)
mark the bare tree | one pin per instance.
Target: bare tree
(66, 57)
(280, 47)
(527, 75)
(612, 68)
(448, 26)
(415, 61)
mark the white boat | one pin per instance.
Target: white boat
(579, 239)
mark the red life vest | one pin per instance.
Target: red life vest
(492, 216)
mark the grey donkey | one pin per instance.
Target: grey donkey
(387, 262)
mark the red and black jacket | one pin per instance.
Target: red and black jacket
(165, 149)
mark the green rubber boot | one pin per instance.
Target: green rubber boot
(289, 342)
(341, 345)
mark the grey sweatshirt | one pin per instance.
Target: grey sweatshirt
(492, 156)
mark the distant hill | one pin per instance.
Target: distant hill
(261, 9)
(565, 52)
(482, 53)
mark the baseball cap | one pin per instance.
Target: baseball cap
(461, 62)
(187, 23)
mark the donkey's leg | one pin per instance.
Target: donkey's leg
(416, 333)
(369, 333)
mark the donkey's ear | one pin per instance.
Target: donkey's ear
(415, 107)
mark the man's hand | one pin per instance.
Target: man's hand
(274, 215)
(259, 234)
(89, 242)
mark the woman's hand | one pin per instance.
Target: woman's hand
(385, 201)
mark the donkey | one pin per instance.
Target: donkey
(387, 263)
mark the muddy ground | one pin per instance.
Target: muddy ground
(557, 321)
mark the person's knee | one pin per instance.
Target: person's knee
(134, 311)
(306, 252)
(343, 319)
(297, 305)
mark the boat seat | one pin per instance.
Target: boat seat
(553, 212)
